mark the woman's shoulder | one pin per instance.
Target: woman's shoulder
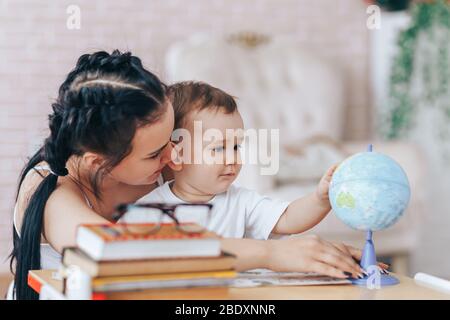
(65, 190)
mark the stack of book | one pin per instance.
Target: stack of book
(119, 261)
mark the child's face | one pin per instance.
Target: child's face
(212, 178)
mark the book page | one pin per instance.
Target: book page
(265, 277)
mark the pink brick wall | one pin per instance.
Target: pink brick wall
(37, 50)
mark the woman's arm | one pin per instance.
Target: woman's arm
(296, 254)
(250, 253)
(66, 208)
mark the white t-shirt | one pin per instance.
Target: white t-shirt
(236, 213)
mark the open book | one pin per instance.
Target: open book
(264, 277)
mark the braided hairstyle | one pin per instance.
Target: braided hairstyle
(102, 102)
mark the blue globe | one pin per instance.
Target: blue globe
(369, 191)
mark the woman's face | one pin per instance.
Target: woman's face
(151, 151)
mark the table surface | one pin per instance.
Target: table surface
(407, 289)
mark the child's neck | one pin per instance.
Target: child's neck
(188, 193)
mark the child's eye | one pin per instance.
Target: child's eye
(218, 149)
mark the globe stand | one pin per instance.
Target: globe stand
(375, 278)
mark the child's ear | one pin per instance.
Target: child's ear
(174, 166)
(176, 157)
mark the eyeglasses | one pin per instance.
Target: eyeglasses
(147, 218)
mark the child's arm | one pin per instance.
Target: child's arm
(304, 213)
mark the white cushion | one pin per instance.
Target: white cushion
(279, 84)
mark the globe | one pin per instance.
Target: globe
(369, 191)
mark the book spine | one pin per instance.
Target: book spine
(34, 283)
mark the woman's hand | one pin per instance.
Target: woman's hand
(313, 254)
(357, 254)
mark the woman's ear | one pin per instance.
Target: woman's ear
(92, 161)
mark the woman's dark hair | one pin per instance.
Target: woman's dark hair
(99, 107)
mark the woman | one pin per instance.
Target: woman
(109, 141)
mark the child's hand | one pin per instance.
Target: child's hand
(324, 185)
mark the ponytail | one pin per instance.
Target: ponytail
(28, 256)
(27, 245)
(14, 256)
